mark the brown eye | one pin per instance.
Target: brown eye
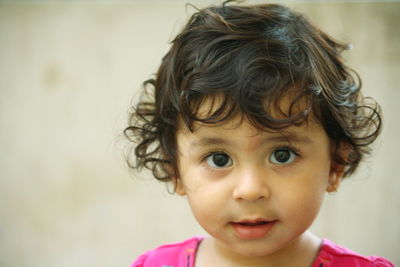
(282, 156)
(219, 160)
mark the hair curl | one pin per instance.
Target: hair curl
(250, 57)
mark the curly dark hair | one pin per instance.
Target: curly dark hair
(250, 57)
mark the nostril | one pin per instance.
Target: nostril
(250, 195)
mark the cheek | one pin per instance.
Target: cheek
(300, 213)
(206, 199)
(304, 200)
(207, 202)
(206, 212)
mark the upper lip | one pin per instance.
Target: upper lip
(253, 221)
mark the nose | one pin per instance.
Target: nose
(251, 185)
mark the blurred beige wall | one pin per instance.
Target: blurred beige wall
(68, 72)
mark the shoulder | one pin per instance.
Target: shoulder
(335, 255)
(173, 254)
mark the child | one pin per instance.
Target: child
(253, 116)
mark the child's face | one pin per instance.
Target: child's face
(254, 192)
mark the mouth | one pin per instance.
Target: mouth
(252, 223)
(252, 229)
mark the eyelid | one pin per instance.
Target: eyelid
(209, 154)
(288, 147)
(292, 149)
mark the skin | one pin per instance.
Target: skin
(252, 184)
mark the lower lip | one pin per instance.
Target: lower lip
(253, 231)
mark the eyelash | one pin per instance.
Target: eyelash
(288, 147)
(205, 157)
(292, 149)
(208, 154)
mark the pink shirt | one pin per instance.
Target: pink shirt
(183, 254)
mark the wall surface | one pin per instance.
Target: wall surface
(68, 73)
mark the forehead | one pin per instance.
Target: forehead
(270, 114)
(238, 129)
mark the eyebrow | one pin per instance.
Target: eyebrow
(287, 137)
(211, 141)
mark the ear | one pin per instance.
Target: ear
(179, 187)
(335, 177)
(337, 171)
